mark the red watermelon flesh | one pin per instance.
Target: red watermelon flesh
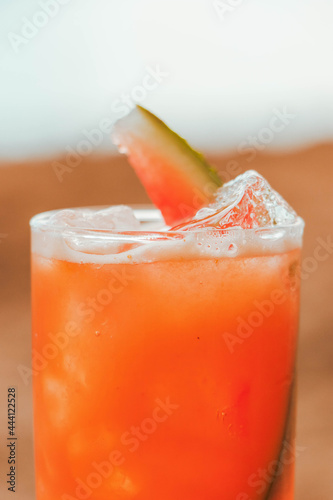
(178, 180)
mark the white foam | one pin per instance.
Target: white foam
(88, 245)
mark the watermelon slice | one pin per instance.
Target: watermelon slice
(178, 180)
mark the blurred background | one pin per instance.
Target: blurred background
(248, 82)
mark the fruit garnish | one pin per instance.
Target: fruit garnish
(178, 180)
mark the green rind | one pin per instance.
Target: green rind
(169, 134)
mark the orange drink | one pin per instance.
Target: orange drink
(164, 361)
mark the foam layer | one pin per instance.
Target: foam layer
(102, 246)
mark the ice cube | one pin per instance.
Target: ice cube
(118, 217)
(69, 218)
(247, 202)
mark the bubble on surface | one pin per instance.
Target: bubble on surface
(118, 217)
(247, 202)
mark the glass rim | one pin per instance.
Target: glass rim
(146, 213)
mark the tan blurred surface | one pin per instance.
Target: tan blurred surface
(304, 178)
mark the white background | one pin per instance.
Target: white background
(226, 72)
